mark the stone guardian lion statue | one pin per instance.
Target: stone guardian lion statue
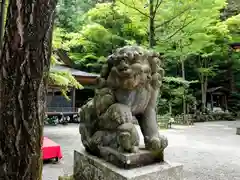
(128, 88)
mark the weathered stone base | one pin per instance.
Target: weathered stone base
(130, 160)
(88, 167)
(238, 131)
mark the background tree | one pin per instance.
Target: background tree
(191, 35)
(173, 89)
(62, 79)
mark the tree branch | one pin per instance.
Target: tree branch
(62, 54)
(184, 25)
(133, 7)
(171, 19)
(159, 2)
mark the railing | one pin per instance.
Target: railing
(56, 115)
(62, 109)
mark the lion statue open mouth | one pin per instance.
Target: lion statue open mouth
(128, 89)
(132, 67)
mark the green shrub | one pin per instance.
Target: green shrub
(65, 178)
(163, 120)
(223, 116)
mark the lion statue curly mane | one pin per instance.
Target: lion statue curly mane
(128, 88)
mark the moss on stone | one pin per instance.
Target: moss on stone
(66, 177)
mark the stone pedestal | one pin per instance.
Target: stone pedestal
(88, 167)
(130, 160)
(238, 131)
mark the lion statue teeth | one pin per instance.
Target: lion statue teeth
(128, 88)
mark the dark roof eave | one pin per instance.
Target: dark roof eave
(234, 44)
(80, 76)
(220, 88)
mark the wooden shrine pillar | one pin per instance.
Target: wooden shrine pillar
(226, 102)
(74, 99)
(211, 101)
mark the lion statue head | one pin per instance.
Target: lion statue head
(132, 67)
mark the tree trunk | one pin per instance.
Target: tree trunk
(230, 73)
(184, 98)
(203, 97)
(170, 107)
(2, 13)
(204, 84)
(24, 68)
(183, 69)
(151, 25)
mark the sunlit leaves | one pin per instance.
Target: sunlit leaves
(62, 79)
(116, 20)
(58, 37)
(206, 71)
(69, 13)
(197, 31)
(233, 24)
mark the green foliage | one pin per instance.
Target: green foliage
(189, 33)
(178, 80)
(105, 28)
(69, 13)
(163, 120)
(88, 47)
(108, 16)
(233, 24)
(58, 38)
(116, 21)
(66, 177)
(63, 79)
(221, 116)
(173, 90)
(89, 62)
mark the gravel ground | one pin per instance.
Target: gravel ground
(208, 151)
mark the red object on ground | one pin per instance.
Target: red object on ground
(50, 149)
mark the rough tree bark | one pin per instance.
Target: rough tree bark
(182, 61)
(184, 94)
(24, 67)
(2, 13)
(204, 85)
(151, 24)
